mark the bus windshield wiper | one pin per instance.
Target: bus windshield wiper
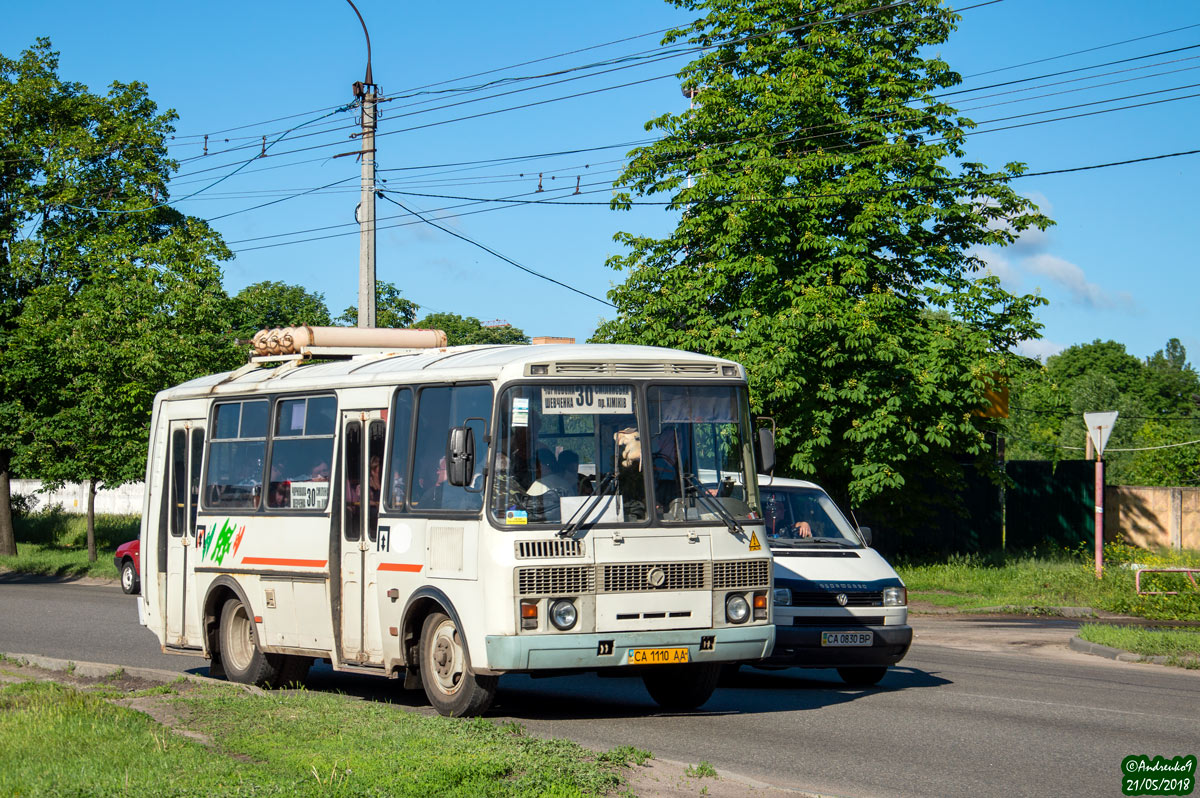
(606, 487)
(714, 505)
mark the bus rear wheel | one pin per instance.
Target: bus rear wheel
(452, 687)
(241, 657)
(682, 687)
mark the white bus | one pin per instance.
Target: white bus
(447, 515)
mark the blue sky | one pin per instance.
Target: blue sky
(1119, 264)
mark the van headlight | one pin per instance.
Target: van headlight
(895, 596)
(563, 614)
(783, 597)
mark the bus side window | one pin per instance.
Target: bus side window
(439, 409)
(302, 453)
(398, 478)
(234, 475)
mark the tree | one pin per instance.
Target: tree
(110, 295)
(465, 330)
(271, 304)
(828, 227)
(391, 309)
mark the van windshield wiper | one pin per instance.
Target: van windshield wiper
(605, 488)
(714, 505)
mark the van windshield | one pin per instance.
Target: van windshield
(798, 517)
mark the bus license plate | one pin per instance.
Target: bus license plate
(657, 656)
(847, 638)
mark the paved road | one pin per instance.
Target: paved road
(981, 707)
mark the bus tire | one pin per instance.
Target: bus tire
(863, 677)
(241, 657)
(452, 687)
(682, 687)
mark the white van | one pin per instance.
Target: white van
(838, 604)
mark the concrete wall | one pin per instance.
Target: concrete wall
(72, 497)
(1153, 517)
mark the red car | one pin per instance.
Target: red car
(128, 560)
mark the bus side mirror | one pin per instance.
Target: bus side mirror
(460, 456)
(765, 453)
(865, 533)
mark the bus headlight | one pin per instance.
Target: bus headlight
(783, 597)
(737, 609)
(895, 596)
(563, 614)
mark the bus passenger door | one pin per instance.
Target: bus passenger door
(183, 486)
(363, 436)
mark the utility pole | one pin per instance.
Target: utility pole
(364, 92)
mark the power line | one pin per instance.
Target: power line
(504, 258)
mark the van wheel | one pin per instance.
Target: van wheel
(129, 577)
(682, 687)
(452, 687)
(241, 657)
(862, 677)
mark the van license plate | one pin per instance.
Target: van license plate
(847, 638)
(657, 656)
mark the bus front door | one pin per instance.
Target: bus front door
(363, 436)
(183, 485)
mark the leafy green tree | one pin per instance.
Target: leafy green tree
(1171, 386)
(828, 223)
(109, 295)
(464, 330)
(391, 309)
(275, 304)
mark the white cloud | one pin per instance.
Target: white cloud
(1040, 349)
(1071, 277)
(998, 265)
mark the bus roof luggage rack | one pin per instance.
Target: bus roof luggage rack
(303, 342)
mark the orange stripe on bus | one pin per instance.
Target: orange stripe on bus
(399, 566)
(284, 561)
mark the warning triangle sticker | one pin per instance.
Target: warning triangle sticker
(754, 544)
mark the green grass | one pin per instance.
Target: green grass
(1180, 646)
(292, 743)
(54, 543)
(1039, 583)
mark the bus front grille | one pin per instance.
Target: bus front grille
(641, 576)
(741, 574)
(548, 549)
(556, 581)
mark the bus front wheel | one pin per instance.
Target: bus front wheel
(682, 687)
(452, 687)
(240, 655)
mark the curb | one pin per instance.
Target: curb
(1121, 655)
(100, 670)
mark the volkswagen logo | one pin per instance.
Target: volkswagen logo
(842, 599)
(656, 577)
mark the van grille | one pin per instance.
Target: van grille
(556, 581)
(547, 549)
(633, 577)
(823, 599)
(835, 623)
(741, 573)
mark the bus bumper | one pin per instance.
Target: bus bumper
(606, 650)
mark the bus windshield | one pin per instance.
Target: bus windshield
(566, 451)
(699, 451)
(561, 444)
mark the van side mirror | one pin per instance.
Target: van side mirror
(865, 532)
(460, 456)
(765, 451)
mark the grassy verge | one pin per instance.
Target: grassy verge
(1179, 646)
(63, 740)
(54, 543)
(1039, 583)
